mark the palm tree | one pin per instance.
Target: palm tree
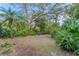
(9, 15)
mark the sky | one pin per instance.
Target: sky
(15, 7)
(6, 6)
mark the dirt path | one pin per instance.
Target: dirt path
(38, 45)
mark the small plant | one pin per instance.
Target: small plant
(6, 47)
(6, 50)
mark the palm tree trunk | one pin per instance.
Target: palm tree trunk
(10, 25)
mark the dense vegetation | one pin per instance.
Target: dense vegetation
(67, 35)
(44, 19)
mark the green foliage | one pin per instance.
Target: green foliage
(6, 50)
(7, 44)
(6, 47)
(41, 23)
(68, 35)
(71, 25)
(57, 33)
(18, 29)
(73, 11)
(70, 42)
(14, 24)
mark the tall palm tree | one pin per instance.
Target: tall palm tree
(9, 15)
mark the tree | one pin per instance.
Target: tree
(73, 11)
(34, 11)
(9, 15)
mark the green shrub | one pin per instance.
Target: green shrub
(6, 47)
(7, 44)
(70, 42)
(6, 32)
(41, 23)
(6, 50)
(68, 35)
(71, 25)
(22, 29)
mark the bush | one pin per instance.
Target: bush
(6, 47)
(22, 29)
(6, 32)
(68, 35)
(41, 23)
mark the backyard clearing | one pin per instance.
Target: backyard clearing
(37, 45)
